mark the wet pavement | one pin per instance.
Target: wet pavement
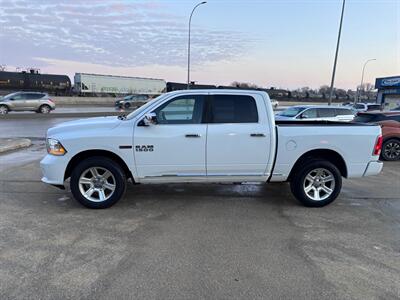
(196, 241)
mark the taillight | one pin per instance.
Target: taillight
(378, 146)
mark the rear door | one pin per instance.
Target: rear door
(238, 137)
(32, 100)
(327, 114)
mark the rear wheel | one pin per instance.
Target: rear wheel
(44, 109)
(127, 105)
(391, 150)
(98, 182)
(3, 110)
(316, 183)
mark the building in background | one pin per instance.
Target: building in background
(388, 91)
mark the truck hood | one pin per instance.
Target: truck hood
(99, 123)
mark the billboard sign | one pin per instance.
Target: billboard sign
(387, 82)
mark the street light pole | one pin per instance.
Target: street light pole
(336, 55)
(188, 62)
(362, 78)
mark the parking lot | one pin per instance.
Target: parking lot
(196, 241)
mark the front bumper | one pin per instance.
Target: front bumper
(373, 168)
(53, 169)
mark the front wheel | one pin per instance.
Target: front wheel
(316, 183)
(3, 110)
(391, 150)
(98, 182)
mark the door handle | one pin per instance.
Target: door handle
(257, 135)
(192, 135)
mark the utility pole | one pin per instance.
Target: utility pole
(188, 62)
(336, 55)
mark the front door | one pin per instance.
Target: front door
(174, 148)
(238, 139)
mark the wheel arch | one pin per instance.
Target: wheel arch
(326, 154)
(96, 152)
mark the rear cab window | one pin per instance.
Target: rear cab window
(233, 109)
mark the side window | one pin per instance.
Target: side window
(309, 114)
(33, 96)
(181, 110)
(18, 97)
(326, 113)
(233, 109)
(396, 118)
(343, 112)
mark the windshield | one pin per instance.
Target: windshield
(10, 95)
(291, 111)
(143, 107)
(128, 97)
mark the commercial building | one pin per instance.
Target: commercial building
(388, 91)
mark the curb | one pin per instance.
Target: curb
(7, 145)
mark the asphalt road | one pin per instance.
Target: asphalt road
(197, 241)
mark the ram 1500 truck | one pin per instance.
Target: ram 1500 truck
(208, 136)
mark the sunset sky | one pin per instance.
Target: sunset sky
(286, 43)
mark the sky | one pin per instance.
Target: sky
(271, 43)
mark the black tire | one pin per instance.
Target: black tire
(390, 150)
(98, 162)
(298, 180)
(44, 109)
(4, 109)
(127, 105)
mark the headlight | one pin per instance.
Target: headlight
(54, 147)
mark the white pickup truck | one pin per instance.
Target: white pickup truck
(208, 136)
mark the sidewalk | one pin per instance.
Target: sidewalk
(11, 144)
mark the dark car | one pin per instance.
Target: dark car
(390, 123)
(128, 101)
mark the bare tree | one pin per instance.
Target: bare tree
(244, 85)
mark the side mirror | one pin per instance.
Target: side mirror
(150, 119)
(303, 116)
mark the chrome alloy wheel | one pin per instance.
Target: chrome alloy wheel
(45, 109)
(392, 150)
(319, 184)
(97, 184)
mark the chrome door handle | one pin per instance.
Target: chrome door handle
(192, 135)
(257, 135)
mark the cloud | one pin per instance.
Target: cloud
(109, 32)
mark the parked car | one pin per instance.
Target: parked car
(362, 107)
(211, 135)
(26, 101)
(317, 113)
(274, 103)
(390, 123)
(128, 101)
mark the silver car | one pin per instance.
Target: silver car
(26, 101)
(317, 113)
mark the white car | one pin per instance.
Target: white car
(317, 113)
(208, 136)
(363, 107)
